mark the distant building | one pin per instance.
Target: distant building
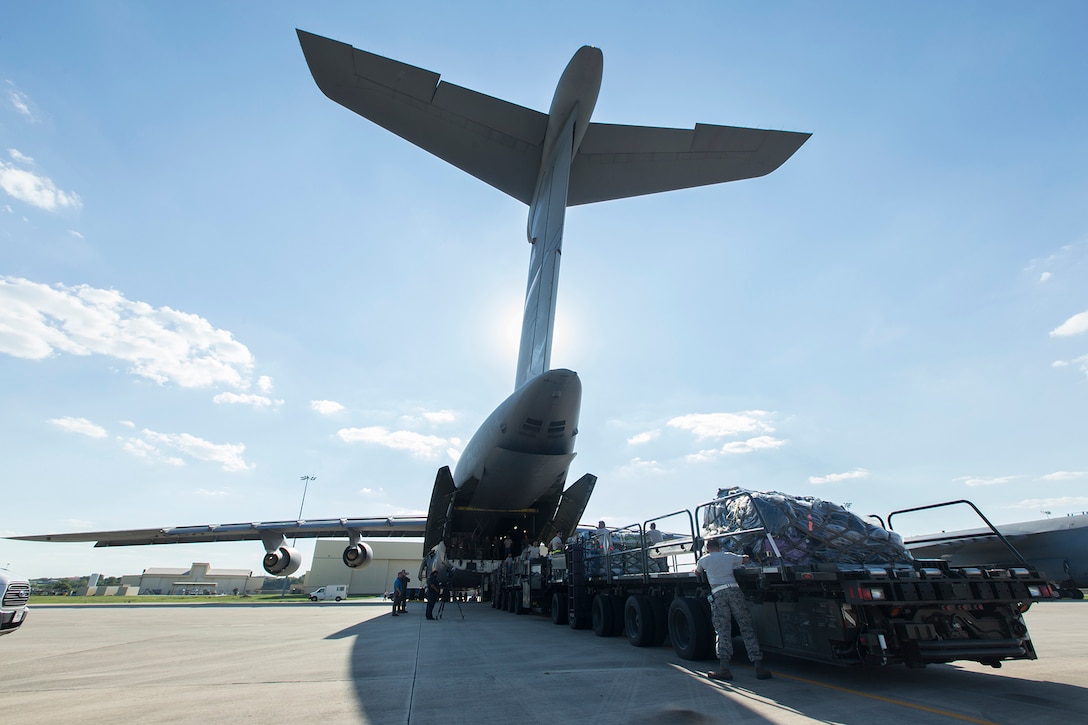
(390, 556)
(200, 578)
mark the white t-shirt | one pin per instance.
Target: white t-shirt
(603, 539)
(718, 566)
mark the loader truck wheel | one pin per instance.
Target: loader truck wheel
(690, 629)
(604, 615)
(638, 621)
(559, 608)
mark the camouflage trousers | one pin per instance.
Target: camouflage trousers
(728, 603)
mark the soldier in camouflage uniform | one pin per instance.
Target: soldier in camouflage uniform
(729, 603)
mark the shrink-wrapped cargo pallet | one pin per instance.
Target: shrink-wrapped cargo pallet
(806, 530)
(618, 551)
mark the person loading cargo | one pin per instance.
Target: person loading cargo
(727, 601)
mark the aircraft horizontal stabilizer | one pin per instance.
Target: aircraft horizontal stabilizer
(495, 141)
(616, 162)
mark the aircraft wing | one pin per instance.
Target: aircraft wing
(616, 161)
(399, 526)
(497, 142)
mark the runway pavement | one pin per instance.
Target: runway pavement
(352, 662)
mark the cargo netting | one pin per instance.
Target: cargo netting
(806, 530)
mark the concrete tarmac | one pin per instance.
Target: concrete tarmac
(351, 662)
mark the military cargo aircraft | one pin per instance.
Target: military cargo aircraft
(513, 471)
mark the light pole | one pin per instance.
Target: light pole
(307, 479)
(306, 486)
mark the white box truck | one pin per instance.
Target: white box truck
(332, 591)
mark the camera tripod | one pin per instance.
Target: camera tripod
(442, 607)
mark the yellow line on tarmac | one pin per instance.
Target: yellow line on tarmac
(890, 700)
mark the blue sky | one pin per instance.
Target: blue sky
(214, 280)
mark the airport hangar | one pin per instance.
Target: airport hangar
(327, 568)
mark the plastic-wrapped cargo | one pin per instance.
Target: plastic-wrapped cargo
(806, 530)
(619, 551)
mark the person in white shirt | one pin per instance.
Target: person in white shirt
(728, 603)
(602, 535)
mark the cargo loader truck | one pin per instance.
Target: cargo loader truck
(823, 585)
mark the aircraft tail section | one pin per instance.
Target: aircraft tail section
(546, 217)
(502, 143)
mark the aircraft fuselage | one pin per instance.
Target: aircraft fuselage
(525, 446)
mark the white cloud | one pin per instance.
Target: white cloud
(1044, 276)
(81, 426)
(36, 190)
(161, 344)
(210, 494)
(1075, 325)
(78, 524)
(256, 401)
(419, 445)
(974, 482)
(227, 455)
(440, 416)
(640, 466)
(138, 448)
(431, 418)
(640, 438)
(142, 449)
(264, 384)
(736, 448)
(836, 477)
(20, 102)
(753, 444)
(1052, 504)
(326, 407)
(1064, 476)
(720, 425)
(20, 157)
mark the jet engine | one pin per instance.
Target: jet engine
(285, 561)
(356, 556)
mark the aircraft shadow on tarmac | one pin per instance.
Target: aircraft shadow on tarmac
(461, 670)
